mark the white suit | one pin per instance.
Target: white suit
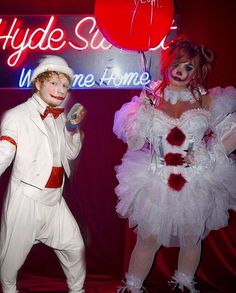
(33, 213)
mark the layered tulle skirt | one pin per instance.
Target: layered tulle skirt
(175, 218)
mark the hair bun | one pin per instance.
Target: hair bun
(180, 40)
(207, 54)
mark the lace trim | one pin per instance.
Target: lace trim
(184, 114)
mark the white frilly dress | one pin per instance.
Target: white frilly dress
(161, 196)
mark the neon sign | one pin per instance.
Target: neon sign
(97, 64)
(108, 79)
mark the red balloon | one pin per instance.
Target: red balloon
(134, 24)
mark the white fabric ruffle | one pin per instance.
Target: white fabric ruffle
(223, 103)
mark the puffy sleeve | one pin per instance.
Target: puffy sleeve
(132, 122)
(223, 112)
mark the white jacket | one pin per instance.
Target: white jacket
(32, 154)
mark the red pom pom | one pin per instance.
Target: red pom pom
(176, 181)
(172, 159)
(175, 137)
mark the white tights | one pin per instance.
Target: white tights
(143, 255)
(188, 259)
(141, 259)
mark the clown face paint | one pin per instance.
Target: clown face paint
(53, 90)
(180, 74)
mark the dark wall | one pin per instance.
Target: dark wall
(213, 24)
(46, 7)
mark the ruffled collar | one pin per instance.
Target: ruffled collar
(173, 96)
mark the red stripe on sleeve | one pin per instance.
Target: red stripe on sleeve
(8, 138)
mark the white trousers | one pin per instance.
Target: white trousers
(26, 222)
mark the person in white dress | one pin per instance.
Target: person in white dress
(176, 180)
(39, 140)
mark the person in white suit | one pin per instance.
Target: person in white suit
(39, 140)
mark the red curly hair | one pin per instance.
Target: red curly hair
(183, 50)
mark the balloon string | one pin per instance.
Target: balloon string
(151, 19)
(144, 67)
(147, 89)
(143, 61)
(150, 26)
(133, 16)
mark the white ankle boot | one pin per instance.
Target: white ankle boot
(181, 280)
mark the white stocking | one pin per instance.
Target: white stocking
(189, 259)
(141, 261)
(187, 265)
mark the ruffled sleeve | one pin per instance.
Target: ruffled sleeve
(223, 107)
(132, 122)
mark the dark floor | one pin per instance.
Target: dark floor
(94, 284)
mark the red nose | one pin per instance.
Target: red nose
(179, 73)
